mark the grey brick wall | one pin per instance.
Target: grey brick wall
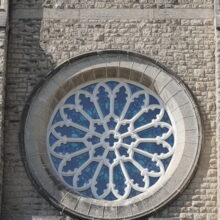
(3, 54)
(140, 4)
(27, 64)
(3, 45)
(38, 42)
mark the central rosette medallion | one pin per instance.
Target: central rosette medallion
(112, 140)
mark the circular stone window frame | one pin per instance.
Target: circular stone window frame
(100, 65)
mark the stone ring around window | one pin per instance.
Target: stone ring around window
(110, 135)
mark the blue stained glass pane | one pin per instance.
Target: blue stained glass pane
(166, 162)
(110, 197)
(135, 107)
(52, 139)
(133, 193)
(123, 151)
(87, 174)
(111, 124)
(170, 140)
(166, 118)
(90, 88)
(128, 140)
(56, 161)
(152, 148)
(146, 162)
(94, 140)
(104, 101)
(99, 151)
(99, 128)
(88, 106)
(120, 101)
(76, 117)
(57, 118)
(146, 118)
(112, 84)
(153, 100)
(68, 180)
(87, 193)
(134, 174)
(123, 128)
(102, 180)
(153, 180)
(134, 88)
(69, 148)
(119, 179)
(152, 132)
(111, 156)
(76, 162)
(70, 132)
(70, 100)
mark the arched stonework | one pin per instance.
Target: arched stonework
(124, 67)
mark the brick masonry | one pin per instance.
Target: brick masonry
(36, 45)
(3, 45)
(3, 54)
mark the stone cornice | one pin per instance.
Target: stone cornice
(102, 14)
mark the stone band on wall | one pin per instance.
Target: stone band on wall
(112, 14)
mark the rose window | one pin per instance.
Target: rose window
(110, 135)
(110, 140)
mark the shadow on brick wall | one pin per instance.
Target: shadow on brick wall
(27, 64)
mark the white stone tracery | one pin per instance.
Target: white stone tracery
(118, 137)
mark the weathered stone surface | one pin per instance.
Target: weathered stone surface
(3, 55)
(35, 46)
(76, 4)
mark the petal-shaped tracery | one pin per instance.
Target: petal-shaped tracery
(111, 140)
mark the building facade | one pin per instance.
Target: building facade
(38, 37)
